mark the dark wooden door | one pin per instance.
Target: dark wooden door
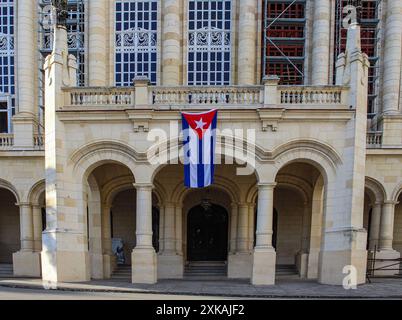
(207, 234)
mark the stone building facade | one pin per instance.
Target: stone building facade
(325, 184)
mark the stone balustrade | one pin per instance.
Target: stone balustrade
(99, 96)
(6, 141)
(209, 96)
(312, 95)
(212, 96)
(374, 139)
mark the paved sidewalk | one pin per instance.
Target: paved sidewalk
(285, 288)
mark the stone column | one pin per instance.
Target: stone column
(242, 229)
(179, 230)
(302, 256)
(240, 258)
(247, 42)
(26, 262)
(264, 254)
(251, 224)
(143, 258)
(386, 250)
(387, 225)
(233, 227)
(392, 57)
(109, 260)
(171, 42)
(321, 42)
(26, 64)
(97, 40)
(26, 227)
(375, 226)
(37, 225)
(170, 264)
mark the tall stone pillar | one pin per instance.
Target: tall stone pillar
(233, 228)
(26, 262)
(109, 260)
(25, 120)
(97, 39)
(171, 45)
(143, 258)
(321, 42)
(264, 259)
(303, 254)
(170, 264)
(247, 42)
(345, 239)
(387, 226)
(240, 258)
(179, 230)
(386, 250)
(392, 57)
(242, 233)
(375, 226)
(64, 254)
(37, 227)
(251, 226)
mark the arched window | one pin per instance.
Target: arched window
(135, 41)
(7, 82)
(209, 42)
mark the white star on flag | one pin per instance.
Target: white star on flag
(200, 124)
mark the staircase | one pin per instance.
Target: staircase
(122, 273)
(205, 270)
(286, 270)
(6, 271)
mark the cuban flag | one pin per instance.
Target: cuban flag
(199, 134)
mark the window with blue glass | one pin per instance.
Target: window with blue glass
(209, 42)
(7, 80)
(135, 41)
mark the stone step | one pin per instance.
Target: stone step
(286, 270)
(6, 270)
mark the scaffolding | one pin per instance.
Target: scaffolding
(369, 20)
(284, 40)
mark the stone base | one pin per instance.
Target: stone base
(97, 272)
(27, 264)
(302, 264)
(170, 266)
(108, 265)
(240, 265)
(264, 262)
(313, 261)
(386, 255)
(334, 263)
(144, 266)
(65, 266)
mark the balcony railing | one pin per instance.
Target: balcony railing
(212, 96)
(374, 139)
(102, 97)
(318, 95)
(6, 141)
(326, 97)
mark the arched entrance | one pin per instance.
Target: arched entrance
(9, 227)
(207, 233)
